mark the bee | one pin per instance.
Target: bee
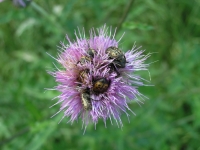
(88, 58)
(118, 56)
(91, 52)
(85, 99)
(83, 74)
(84, 59)
(100, 85)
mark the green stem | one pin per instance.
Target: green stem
(125, 14)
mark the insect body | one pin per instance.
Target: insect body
(101, 85)
(83, 75)
(118, 56)
(85, 99)
(91, 52)
(88, 57)
(84, 59)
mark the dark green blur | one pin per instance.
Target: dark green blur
(168, 120)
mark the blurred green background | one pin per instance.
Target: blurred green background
(169, 119)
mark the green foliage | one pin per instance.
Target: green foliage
(168, 29)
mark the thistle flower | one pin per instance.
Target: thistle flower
(98, 80)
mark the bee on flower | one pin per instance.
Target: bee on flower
(97, 79)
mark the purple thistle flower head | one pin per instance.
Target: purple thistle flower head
(98, 80)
